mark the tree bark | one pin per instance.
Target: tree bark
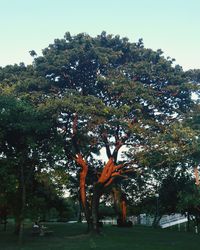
(188, 222)
(116, 204)
(82, 184)
(21, 228)
(17, 224)
(19, 214)
(87, 213)
(97, 192)
(3, 217)
(124, 211)
(79, 216)
(156, 221)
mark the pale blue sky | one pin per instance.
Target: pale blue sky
(172, 25)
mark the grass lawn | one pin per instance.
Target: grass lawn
(72, 237)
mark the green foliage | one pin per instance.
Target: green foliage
(189, 201)
(110, 82)
(106, 211)
(26, 149)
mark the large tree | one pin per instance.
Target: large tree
(108, 94)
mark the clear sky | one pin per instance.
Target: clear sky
(170, 25)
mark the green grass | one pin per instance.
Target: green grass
(73, 237)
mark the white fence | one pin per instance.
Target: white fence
(145, 219)
(166, 220)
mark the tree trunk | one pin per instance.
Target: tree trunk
(5, 223)
(17, 224)
(116, 204)
(156, 220)
(87, 213)
(197, 224)
(3, 218)
(21, 228)
(188, 222)
(19, 215)
(82, 185)
(95, 207)
(79, 216)
(124, 211)
(83, 198)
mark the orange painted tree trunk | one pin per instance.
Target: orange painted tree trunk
(196, 173)
(120, 206)
(105, 179)
(124, 211)
(82, 188)
(109, 172)
(116, 200)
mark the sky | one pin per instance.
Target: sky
(170, 25)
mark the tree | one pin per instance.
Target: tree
(25, 149)
(188, 203)
(113, 93)
(107, 93)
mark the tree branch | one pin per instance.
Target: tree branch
(105, 140)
